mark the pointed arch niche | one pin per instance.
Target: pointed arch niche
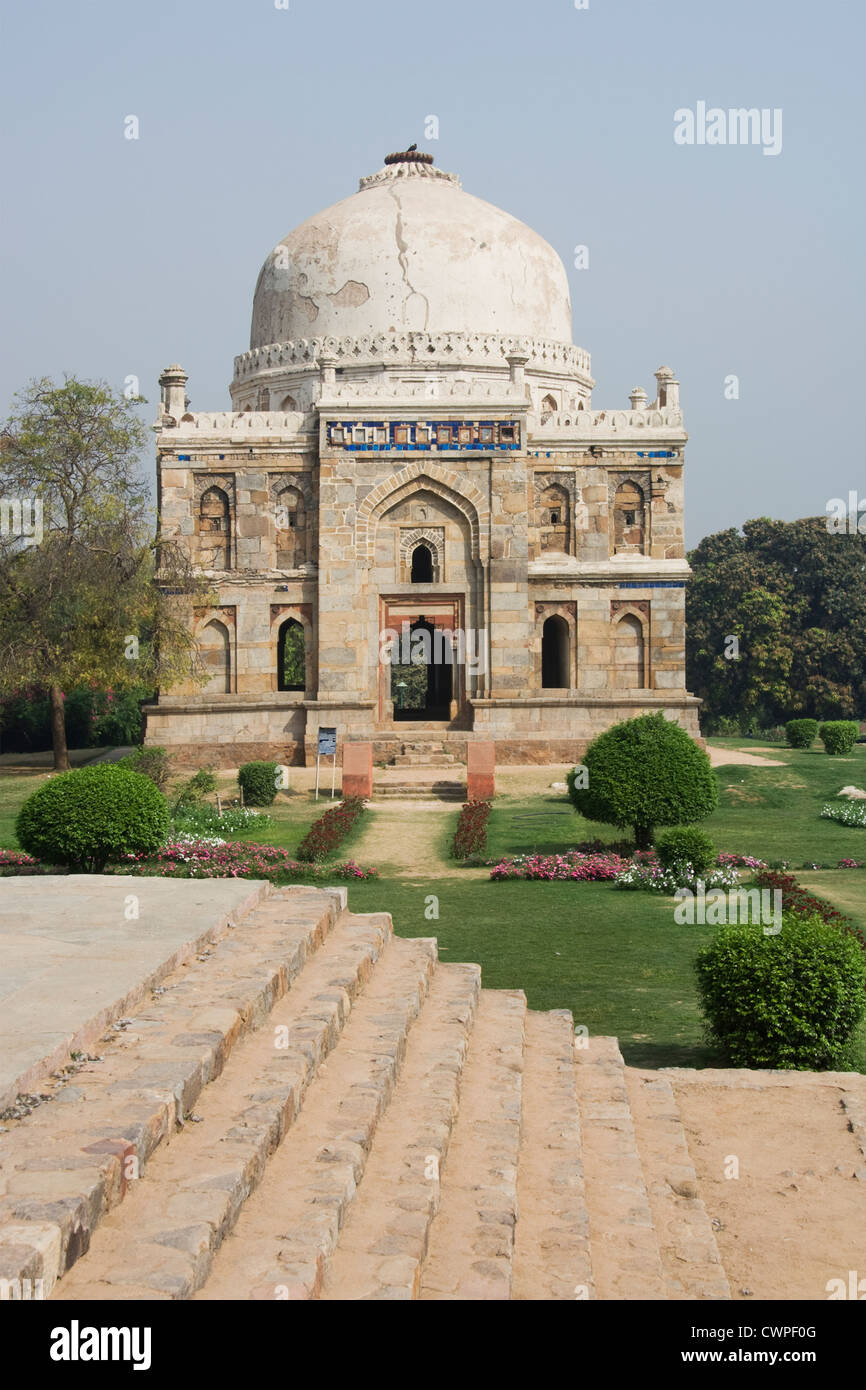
(629, 506)
(215, 641)
(554, 645)
(630, 646)
(213, 525)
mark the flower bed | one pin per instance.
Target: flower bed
(740, 861)
(649, 875)
(470, 837)
(797, 899)
(13, 861)
(576, 866)
(348, 870)
(206, 820)
(189, 858)
(331, 829)
(640, 869)
(851, 813)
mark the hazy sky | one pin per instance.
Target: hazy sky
(121, 256)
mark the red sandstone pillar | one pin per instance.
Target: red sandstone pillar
(358, 769)
(480, 765)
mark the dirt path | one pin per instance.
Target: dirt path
(403, 839)
(720, 757)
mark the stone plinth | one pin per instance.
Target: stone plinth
(480, 765)
(357, 769)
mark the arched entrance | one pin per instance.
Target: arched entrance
(422, 688)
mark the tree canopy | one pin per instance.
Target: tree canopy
(794, 595)
(642, 773)
(79, 552)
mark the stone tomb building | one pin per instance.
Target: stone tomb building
(414, 522)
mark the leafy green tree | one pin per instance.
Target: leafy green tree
(794, 596)
(642, 773)
(79, 553)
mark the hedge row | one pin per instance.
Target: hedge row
(470, 836)
(837, 735)
(331, 829)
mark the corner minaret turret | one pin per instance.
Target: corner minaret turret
(173, 391)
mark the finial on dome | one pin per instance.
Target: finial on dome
(408, 164)
(411, 156)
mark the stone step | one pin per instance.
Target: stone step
(551, 1250)
(384, 1240)
(626, 1261)
(472, 1239)
(419, 791)
(68, 1164)
(289, 1226)
(163, 1239)
(425, 760)
(689, 1253)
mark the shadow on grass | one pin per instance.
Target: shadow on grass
(653, 1055)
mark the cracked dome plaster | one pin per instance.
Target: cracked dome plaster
(411, 251)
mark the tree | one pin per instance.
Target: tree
(794, 596)
(643, 773)
(79, 553)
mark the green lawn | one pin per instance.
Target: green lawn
(771, 812)
(617, 960)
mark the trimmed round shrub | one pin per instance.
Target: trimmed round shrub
(643, 773)
(151, 762)
(258, 782)
(791, 1001)
(93, 816)
(839, 735)
(686, 845)
(801, 733)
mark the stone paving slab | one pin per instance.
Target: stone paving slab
(73, 960)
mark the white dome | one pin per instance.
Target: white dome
(411, 251)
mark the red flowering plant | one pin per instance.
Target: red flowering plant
(234, 859)
(470, 836)
(798, 900)
(328, 832)
(578, 867)
(12, 861)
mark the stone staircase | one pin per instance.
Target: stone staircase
(317, 1109)
(425, 754)
(407, 778)
(419, 789)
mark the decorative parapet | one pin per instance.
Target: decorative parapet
(417, 349)
(229, 424)
(607, 424)
(493, 391)
(626, 571)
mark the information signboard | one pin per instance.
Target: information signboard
(327, 748)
